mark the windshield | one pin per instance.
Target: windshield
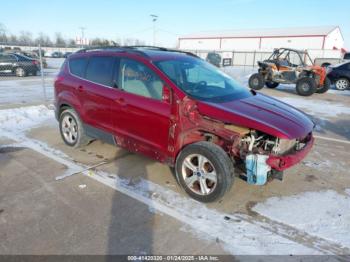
(202, 81)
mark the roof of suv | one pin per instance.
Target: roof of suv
(150, 52)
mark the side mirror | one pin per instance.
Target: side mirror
(166, 95)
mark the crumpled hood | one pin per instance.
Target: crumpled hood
(263, 113)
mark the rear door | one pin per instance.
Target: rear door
(95, 90)
(144, 115)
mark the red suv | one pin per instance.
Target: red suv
(178, 109)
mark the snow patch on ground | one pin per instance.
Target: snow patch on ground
(22, 118)
(323, 165)
(325, 214)
(338, 92)
(238, 235)
(318, 108)
(24, 91)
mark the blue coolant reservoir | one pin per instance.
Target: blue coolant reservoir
(257, 169)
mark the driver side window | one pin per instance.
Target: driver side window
(137, 78)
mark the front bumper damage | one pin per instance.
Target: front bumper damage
(281, 163)
(259, 168)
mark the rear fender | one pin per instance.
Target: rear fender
(66, 98)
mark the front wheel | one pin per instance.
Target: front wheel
(306, 86)
(256, 81)
(20, 72)
(324, 88)
(204, 171)
(342, 84)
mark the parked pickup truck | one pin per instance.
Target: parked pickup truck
(325, 62)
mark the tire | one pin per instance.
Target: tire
(20, 72)
(71, 129)
(342, 84)
(306, 86)
(256, 81)
(271, 84)
(325, 87)
(197, 182)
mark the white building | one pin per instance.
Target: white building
(322, 37)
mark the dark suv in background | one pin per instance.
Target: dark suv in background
(20, 65)
(178, 109)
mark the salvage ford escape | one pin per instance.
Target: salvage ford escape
(178, 109)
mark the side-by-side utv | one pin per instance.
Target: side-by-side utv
(290, 66)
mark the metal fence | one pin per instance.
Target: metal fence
(27, 76)
(250, 58)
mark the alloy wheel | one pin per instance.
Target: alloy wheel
(342, 84)
(69, 129)
(20, 71)
(199, 174)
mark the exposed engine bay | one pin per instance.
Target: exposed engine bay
(259, 143)
(255, 148)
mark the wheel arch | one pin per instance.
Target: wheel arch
(66, 99)
(202, 135)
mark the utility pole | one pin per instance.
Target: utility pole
(154, 19)
(82, 35)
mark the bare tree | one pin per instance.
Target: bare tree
(25, 38)
(133, 41)
(43, 40)
(13, 39)
(3, 36)
(71, 42)
(59, 40)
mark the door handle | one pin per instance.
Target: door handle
(121, 101)
(80, 88)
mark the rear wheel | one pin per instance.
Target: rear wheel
(71, 129)
(325, 87)
(256, 81)
(271, 84)
(20, 72)
(205, 171)
(306, 86)
(342, 84)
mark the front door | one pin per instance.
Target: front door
(144, 115)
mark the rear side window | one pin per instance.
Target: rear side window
(77, 66)
(100, 70)
(347, 56)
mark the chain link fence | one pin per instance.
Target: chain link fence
(27, 74)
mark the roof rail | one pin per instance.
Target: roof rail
(160, 49)
(146, 47)
(92, 48)
(135, 48)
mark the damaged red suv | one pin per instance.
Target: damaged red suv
(178, 109)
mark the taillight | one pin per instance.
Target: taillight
(35, 62)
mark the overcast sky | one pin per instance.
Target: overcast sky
(131, 18)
